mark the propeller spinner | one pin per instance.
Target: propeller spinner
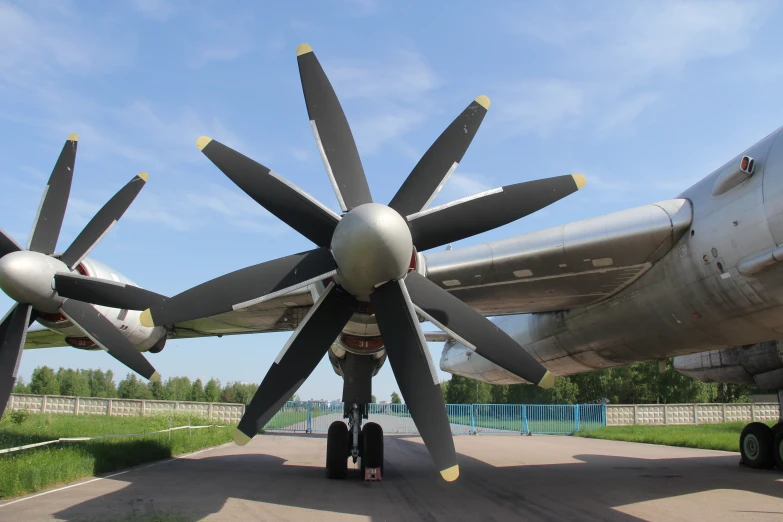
(28, 275)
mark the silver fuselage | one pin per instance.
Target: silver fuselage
(717, 284)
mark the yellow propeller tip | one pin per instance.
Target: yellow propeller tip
(144, 176)
(240, 439)
(303, 49)
(146, 318)
(547, 381)
(483, 101)
(450, 474)
(73, 137)
(202, 142)
(155, 377)
(580, 181)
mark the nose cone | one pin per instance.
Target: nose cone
(28, 277)
(371, 245)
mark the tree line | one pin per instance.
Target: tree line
(634, 384)
(97, 383)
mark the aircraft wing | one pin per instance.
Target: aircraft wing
(563, 267)
(280, 314)
(559, 268)
(40, 337)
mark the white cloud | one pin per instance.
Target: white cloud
(405, 77)
(159, 216)
(390, 96)
(612, 53)
(541, 106)
(156, 9)
(461, 185)
(37, 47)
(194, 210)
(299, 153)
(371, 132)
(363, 7)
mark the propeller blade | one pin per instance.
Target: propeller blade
(13, 331)
(7, 244)
(438, 163)
(297, 360)
(412, 366)
(243, 288)
(482, 212)
(104, 334)
(289, 203)
(474, 330)
(103, 221)
(104, 292)
(49, 220)
(332, 133)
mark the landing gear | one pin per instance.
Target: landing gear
(756, 446)
(362, 445)
(777, 445)
(337, 451)
(372, 451)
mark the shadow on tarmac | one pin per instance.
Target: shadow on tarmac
(193, 489)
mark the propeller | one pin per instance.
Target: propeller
(366, 256)
(28, 275)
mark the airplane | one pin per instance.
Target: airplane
(698, 273)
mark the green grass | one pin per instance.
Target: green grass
(31, 470)
(724, 437)
(283, 419)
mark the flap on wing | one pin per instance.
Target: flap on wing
(40, 337)
(280, 314)
(562, 267)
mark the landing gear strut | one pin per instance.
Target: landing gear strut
(761, 447)
(361, 445)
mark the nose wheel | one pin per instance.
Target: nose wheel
(361, 444)
(337, 450)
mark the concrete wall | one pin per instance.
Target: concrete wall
(616, 414)
(219, 412)
(660, 414)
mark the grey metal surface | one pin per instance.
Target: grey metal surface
(371, 245)
(760, 364)
(692, 298)
(28, 277)
(561, 267)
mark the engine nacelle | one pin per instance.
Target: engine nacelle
(760, 364)
(126, 321)
(458, 359)
(365, 347)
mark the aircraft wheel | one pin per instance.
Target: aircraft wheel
(777, 449)
(777, 428)
(337, 451)
(756, 446)
(372, 447)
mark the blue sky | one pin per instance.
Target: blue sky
(644, 98)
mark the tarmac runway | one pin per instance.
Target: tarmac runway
(503, 477)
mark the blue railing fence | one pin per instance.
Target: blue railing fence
(465, 419)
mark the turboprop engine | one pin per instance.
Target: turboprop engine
(760, 364)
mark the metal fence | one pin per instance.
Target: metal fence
(465, 419)
(315, 417)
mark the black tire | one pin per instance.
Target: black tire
(777, 449)
(337, 451)
(372, 447)
(756, 443)
(777, 428)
